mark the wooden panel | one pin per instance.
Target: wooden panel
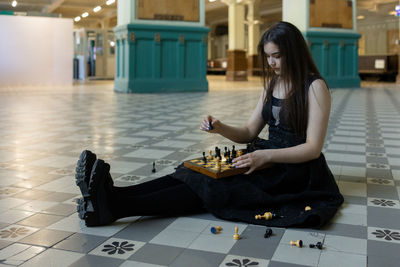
(169, 51)
(184, 10)
(392, 40)
(331, 14)
(361, 45)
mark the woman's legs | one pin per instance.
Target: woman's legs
(162, 196)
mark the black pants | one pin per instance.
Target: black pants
(162, 196)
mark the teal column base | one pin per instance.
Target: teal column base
(336, 56)
(160, 58)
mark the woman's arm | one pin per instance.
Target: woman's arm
(242, 134)
(318, 117)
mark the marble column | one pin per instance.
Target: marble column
(237, 61)
(253, 22)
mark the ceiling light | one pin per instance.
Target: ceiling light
(77, 18)
(109, 2)
(360, 17)
(211, 1)
(84, 15)
(14, 3)
(97, 8)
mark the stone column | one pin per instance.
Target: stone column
(253, 22)
(237, 61)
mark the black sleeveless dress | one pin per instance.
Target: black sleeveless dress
(284, 189)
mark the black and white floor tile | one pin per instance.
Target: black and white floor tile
(43, 131)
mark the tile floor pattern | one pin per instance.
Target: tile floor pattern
(43, 131)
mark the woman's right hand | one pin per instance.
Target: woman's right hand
(209, 124)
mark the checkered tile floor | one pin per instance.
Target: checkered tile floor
(43, 131)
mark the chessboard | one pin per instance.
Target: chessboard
(209, 166)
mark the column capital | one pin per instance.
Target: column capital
(233, 2)
(251, 2)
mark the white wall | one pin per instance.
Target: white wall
(35, 51)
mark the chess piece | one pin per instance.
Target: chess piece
(319, 245)
(216, 229)
(209, 126)
(204, 157)
(236, 236)
(297, 243)
(307, 208)
(154, 168)
(239, 153)
(211, 155)
(268, 233)
(218, 163)
(311, 246)
(267, 216)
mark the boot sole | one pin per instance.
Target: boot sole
(83, 171)
(98, 199)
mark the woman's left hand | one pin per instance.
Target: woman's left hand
(254, 161)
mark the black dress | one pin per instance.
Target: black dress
(284, 189)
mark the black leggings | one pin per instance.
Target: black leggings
(162, 196)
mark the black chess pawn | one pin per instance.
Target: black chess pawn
(233, 153)
(209, 126)
(204, 157)
(319, 245)
(154, 167)
(268, 233)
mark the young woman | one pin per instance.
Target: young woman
(286, 173)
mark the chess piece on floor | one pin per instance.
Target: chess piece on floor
(216, 229)
(307, 208)
(268, 233)
(319, 245)
(267, 216)
(298, 243)
(154, 168)
(236, 236)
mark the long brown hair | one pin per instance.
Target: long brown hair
(296, 67)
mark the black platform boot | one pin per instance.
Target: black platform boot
(83, 170)
(95, 208)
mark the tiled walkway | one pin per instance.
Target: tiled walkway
(43, 131)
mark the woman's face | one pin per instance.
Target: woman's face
(273, 56)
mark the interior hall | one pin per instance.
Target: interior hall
(133, 80)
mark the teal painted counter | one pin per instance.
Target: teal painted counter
(159, 58)
(336, 56)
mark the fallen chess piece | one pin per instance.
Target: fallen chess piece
(298, 243)
(267, 216)
(216, 229)
(318, 245)
(268, 233)
(236, 236)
